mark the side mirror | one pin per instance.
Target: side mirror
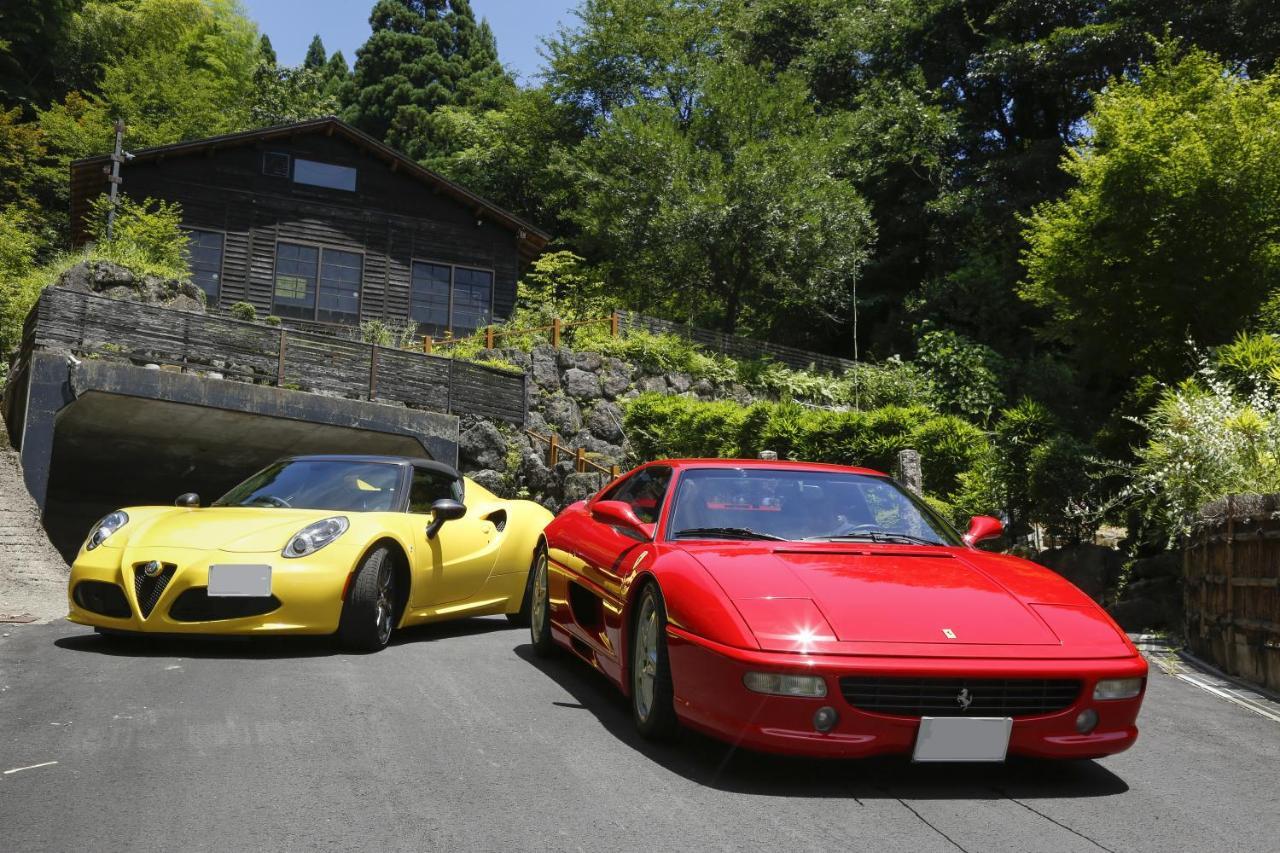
(444, 510)
(982, 527)
(620, 514)
(190, 500)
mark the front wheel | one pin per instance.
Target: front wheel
(369, 614)
(540, 605)
(652, 694)
(521, 616)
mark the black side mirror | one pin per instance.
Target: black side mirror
(190, 500)
(444, 510)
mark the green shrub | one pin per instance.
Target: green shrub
(244, 311)
(1250, 359)
(965, 374)
(147, 236)
(403, 335)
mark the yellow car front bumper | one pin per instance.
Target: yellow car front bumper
(306, 594)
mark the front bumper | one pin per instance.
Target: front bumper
(710, 697)
(309, 591)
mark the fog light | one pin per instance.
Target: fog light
(1086, 721)
(825, 718)
(785, 685)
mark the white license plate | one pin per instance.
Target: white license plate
(232, 580)
(963, 739)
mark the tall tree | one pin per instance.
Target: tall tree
(266, 53)
(31, 35)
(315, 57)
(422, 55)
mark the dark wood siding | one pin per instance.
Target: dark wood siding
(390, 219)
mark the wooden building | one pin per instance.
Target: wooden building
(320, 224)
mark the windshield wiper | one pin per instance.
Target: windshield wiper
(876, 536)
(729, 533)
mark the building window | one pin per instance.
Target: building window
(205, 251)
(450, 297)
(328, 175)
(339, 286)
(317, 284)
(430, 298)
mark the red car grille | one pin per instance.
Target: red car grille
(960, 697)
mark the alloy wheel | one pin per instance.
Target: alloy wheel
(645, 661)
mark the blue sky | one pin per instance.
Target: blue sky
(518, 25)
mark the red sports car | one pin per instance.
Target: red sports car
(824, 610)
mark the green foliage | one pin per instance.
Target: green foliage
(18, 247)
(1170, 231)
(422, 55)
(1250, 359)
(671, 426)
(315, 58)
(244, 311)
(398, 335)
(147, 236)
(965, 374)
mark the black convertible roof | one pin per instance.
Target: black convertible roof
(425, 464)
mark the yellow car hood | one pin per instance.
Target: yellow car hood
(244, 529)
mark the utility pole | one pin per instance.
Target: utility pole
(117, 158)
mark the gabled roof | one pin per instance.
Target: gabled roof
(87, 179)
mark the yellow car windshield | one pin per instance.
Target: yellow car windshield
(336, 484)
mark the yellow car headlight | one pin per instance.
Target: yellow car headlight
(102, 531)
(315, 536)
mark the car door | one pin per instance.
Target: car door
(453, 565)
(609, 554)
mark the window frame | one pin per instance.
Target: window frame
(659, 511)
(456, 487)
(294, 159)
(222, 259)
(315, 308)
(453, 277)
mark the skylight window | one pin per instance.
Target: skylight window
(324, 175)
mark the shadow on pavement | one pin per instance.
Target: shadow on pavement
(261, 648)
(717, 765)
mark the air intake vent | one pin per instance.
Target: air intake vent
(275, 164)
(103, 598)
(960, 697)
(149, 589)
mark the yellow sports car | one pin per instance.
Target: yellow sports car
(356, 545)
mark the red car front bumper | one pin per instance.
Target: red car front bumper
(710, 697)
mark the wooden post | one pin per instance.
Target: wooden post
(555, 333)
(280, 362)
(1229, 622)
(373, 372)
(613, 324)
(488, 337)
(553, 448)
(613, 469)
(580, 460)
(426, 344)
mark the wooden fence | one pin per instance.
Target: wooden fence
(622, 322)
(95, 326)
(581, 463)
(1231, 587)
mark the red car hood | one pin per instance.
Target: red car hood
(905, 600)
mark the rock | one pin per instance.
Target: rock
(1166, 565)
(562, 414)
(118, 282)
(536, 422)
(605, 421)
(679, 382)
(652, 384)
(1091, 567)
(588, 361)
(581, 384)
(601, 452)
(493, 481)
(482, 446)
(545, 372)
(614, 379)
(518, 357)
(578, 487)
(534, 474)
(703, 388)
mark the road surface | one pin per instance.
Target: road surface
(457, 738)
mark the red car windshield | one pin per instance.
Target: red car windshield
(761, 503)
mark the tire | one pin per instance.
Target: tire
(652, 696)
(521, 617)
(368, 617)
(540, 605)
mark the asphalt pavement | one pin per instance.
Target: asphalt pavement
(457, 738)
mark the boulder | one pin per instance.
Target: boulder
(605, 421)
(493, 481)
(601, 452)
(482, 446)
(114, 281)
(652, 384)
(579, 487)
(588, 361)
(562, 414)
(545, 372)
(581, 384)
(614, 379)
(703, 388)
(1091, 567)
(679, 382)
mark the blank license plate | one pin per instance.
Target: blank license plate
(229, 581)
(963, 739)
